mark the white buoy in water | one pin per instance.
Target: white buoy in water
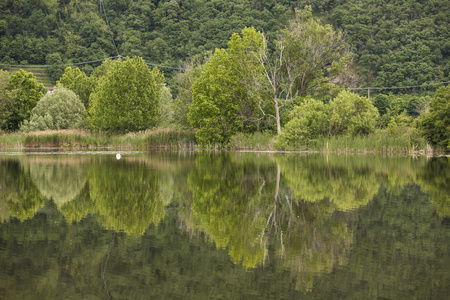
(118, 156)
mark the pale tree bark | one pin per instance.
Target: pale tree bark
(271, 81)
(305, 50)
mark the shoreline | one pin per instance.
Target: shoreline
(180, 140)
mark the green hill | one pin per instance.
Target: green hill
(395, 42)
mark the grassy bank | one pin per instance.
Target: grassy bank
(254, 141)
(155, 138)
(382, 141)
(77, 139)
(399, 141)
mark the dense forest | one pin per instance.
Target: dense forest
(395, 43)
(294, 68)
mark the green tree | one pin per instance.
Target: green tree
(166, 108)
(127, 97)
(184, 99)
(215, 105)
(224, 96)
(436, 124)
(25, 92)
(55, 61)
(308, 121)
(60, 110)
(79, 83)
(6, 99)
(307, 55)
(245, 65)
(352, 114)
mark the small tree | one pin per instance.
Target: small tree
(79, 83)
(60, 110)
(436, 124)
(166, 108)
(351, 113)
(308, 121)
(126, 98)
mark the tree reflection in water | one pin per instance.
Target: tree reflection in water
(295, 211)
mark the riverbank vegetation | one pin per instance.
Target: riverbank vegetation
(83, 139)
(295, 87)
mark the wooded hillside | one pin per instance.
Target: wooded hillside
(395, 43)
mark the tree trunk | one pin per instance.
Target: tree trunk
(277, 114)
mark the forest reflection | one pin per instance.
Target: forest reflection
(294, 209)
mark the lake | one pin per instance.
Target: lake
(223, 225)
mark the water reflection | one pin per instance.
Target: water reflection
(19, 196)
(59, 178)
(299, 216)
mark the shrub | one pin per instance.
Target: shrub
(308, 122)
(352, 114)
(60, 110)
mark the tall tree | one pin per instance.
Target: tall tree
(308, 54)
(215, 101)
(224, 98)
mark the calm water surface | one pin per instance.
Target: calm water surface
(223, 225)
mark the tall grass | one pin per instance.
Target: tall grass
(388, 141)
(64, 139)
(154, 138)
(11, 140)
(253, 141)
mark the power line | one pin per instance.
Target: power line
(399, 87)
(107, 23)
(85, 62)
(60, 65)
(167, 67)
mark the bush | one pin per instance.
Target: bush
(60, 110)
(352, 114)
(309, 121)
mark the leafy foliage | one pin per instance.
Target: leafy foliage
(20, 95)
(308, 121)
(307, 54)
(216, 95)
(352, 114)
(78, 82)
(436, 123)
(60, 110)
(396, 43)
(166, 108)
(126, 98)
(6, 99)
